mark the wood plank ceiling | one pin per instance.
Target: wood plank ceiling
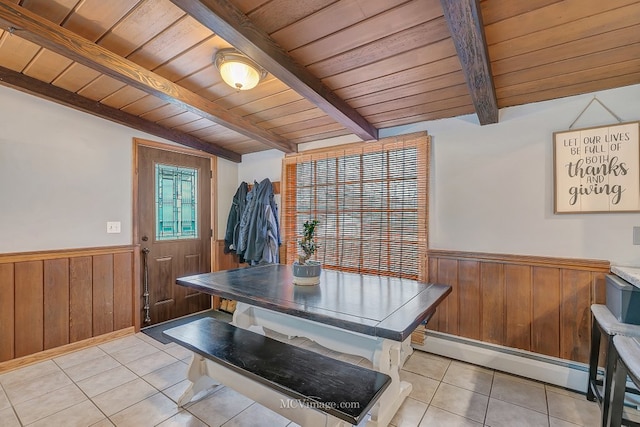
(335, 67)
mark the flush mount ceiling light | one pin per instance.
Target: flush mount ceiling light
(237, 70)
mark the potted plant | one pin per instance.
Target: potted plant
(305, 270)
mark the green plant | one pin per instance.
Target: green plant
(308, 243)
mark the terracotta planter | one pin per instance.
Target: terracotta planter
(307, 274)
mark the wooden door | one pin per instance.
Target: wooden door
(174, 230)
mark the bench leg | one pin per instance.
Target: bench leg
(593, 360)
(610, 362)
(614, 416)
(200, 381)
(388, 359)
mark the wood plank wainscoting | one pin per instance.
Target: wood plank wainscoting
(53, 302)
(222, 261)
(538, 304)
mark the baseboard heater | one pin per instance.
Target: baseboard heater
(560, 372)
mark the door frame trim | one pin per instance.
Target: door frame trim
(213, 164)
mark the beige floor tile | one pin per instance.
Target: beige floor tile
(560, 390)
(350, 358)
(469, 377)
(146, 413)
(18, 392)
(175, 392)
(410, 413)
(183, 419)
(151, 362)
(427, 365)
(8, 418)
(575, 410)
(48, 404)
(29, 373)
(515, 390)
(504, 414)
(461, 402)
(121, 397)
(249, 416)
(436, 417)
(104, 423)
(527, 381)
(180, 353)
(80, 415)
(556, 422)
(167, 376)
(43, 393)
(90, 368)
(120, 344)
(473, 367)
(220, 406)
(77, 357)
(4, 400)
(157, 344)
(105, 381)
(423, 388)
(135, 352)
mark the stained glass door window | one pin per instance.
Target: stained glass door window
(176, 202)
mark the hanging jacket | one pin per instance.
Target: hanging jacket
(235, 215)
(271, 251)
(259, 227)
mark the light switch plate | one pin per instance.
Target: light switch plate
(113, 227)
(636, 235)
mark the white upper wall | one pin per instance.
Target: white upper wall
(491, 187)
(227, 185)
(64, 174)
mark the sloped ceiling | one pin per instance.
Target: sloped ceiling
(335, 67)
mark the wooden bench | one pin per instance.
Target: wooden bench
(306, 387)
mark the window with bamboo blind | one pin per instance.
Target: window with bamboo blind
(371, 200)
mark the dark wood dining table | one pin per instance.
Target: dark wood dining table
(364, 315)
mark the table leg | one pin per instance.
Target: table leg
(200, 381)
(406, 351)
(388, 359)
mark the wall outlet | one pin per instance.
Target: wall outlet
(113, 227)
(636, 235)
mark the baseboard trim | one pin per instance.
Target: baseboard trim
(559, 372)
(20, 362)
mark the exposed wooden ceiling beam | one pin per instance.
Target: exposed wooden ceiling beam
(232, 25)
(25, 24)
(465, 23)
(53, 93)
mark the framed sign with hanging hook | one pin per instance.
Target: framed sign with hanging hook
(597, 169)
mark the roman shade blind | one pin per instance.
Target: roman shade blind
(371, 200)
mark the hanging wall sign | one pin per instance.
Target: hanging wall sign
(597, 169)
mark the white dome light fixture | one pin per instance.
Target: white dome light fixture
(237, 70)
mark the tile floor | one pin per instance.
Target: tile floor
(135, 381)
